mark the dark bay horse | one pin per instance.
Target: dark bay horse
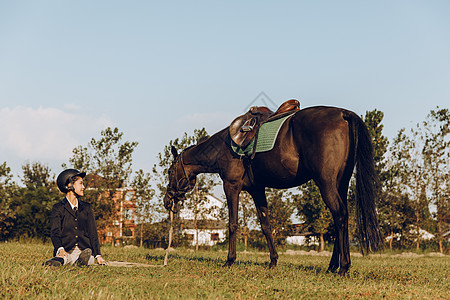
(319, 143)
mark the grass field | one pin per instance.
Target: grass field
(191, 275)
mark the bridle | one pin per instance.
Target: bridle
(183, 185)
(186, 188)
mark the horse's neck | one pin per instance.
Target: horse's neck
(199, 162)
(203, 157)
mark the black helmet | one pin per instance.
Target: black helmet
(64, 177)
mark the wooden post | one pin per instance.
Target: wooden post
(142, 231)
(170, 235)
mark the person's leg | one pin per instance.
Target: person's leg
(75, 256)
(74, 253)
(91, 261)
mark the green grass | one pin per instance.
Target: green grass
(191, 275)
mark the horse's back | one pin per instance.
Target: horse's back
(314, 141)
(321, 117)
(321, 122)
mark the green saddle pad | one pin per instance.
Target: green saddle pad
(267, 136)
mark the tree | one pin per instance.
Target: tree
(144, 194)
(36, 175)
(280, 208)
(404, 182)
(165, 158)
(247, 215)
(81, 158)
(373, 120)
(109, 161)
(112, 159)
(197, 202)
(32, 204)
(436, 129)
(417, 177)
(313, 211)
(7, 191)
(205, 182)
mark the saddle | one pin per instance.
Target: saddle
(244, 128)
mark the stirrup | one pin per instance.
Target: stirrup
(249, 125)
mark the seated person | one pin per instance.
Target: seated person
(73, 229)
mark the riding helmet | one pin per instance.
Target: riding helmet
(64, 177)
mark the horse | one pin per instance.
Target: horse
(320, 143)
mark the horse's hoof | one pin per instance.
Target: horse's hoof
(227, 264)
(273, 265)
(332, 270)
(342, 272)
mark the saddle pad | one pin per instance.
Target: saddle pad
(267, 136)
(268, 133)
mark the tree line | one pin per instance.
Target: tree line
(413, 193)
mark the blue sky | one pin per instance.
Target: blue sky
(155, 69)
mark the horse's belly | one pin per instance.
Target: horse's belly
(276, 172)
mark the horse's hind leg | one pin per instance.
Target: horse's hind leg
(338, 208)
(334, 263)
(259, 196)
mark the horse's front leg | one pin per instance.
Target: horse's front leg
(232, 193)
(259, 196)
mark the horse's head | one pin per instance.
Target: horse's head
(180, 182)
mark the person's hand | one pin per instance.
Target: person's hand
(62, 253)
(100, 260)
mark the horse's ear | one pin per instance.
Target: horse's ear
(174, 152)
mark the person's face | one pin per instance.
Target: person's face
(78, 187)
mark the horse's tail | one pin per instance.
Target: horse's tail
(367, 184)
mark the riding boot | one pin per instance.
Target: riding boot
(84, 257)
(54, 262)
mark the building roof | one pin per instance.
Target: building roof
(204, 224)
(298, 230)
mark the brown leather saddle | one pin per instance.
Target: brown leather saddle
(244, 128)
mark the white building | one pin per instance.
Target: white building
(301, 240)
(423, 235)
(300, 236)
(211, 230)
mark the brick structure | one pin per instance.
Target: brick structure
(122, 226)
